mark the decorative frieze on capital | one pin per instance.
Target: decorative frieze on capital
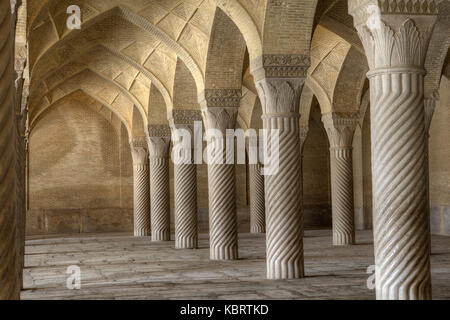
(220, 98)
(220, 118)
(280, 66)
(364, 10)
(158, 130)
(340, 128)
(280, 96)
(159, 147)
(185, 116)
(139, 142)
(184, 119)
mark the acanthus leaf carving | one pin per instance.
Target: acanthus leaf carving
(280, 96)
(395, 40)
(159, 147)
(340, 128)
(220, 118)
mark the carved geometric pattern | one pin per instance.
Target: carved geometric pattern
(159, 130)
(280, 66)
(186, 116)
(229, 98)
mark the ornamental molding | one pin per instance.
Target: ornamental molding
(280, 66)
(226, 98)
(185, 116)
(159, 130)
(364, 10)
(139, 142)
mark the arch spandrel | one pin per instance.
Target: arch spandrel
(284, 32)
(94, 85)
(184, 90)
(93, 81)
(337, 73)
(77, 93)
(226, 54)
(157, 114)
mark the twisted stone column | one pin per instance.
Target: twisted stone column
(220, 113)
(340, 130)
(9, 249)
(396, 47)
(279, 82)
(185, 179)
(139, 152)
(159, 143)
(257, 200)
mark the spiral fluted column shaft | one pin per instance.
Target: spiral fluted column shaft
(257, 201)
(141, 192)
(283, 203)
(160, 199)
(9, 275)
(222, 212)
(401, 229)
(186, 236)
(223, 235)
(342, 196)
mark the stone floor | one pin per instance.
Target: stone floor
(123, 267)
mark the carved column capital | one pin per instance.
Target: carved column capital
(340, 128)
(159, 147)
(280, 96)
(221, 118)
(220, 108)
(159, 140)
(394, 33)
(139, 150)
(185, 119)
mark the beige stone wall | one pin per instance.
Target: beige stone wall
(80, 173)
(439, 157)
